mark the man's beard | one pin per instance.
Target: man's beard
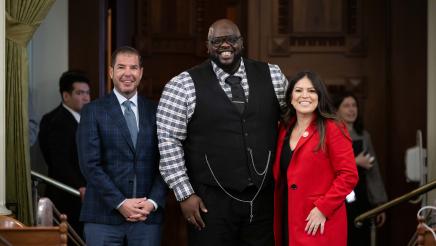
(228, 68)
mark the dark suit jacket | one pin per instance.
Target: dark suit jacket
(109, 161)
(57, 140)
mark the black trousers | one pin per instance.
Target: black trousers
(358, 236)
(228, 221)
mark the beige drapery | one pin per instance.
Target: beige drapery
(22, 19)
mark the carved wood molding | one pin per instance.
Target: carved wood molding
(334, 27)
(279, 45)
(199, 16)
(142, 40)
(199, 27)
(355, 84)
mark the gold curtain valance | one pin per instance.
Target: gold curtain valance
(19, 32)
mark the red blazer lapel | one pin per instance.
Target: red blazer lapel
(308, 133)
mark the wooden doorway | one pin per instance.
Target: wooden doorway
(171, 35)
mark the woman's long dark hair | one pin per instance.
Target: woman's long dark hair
(337, 101)
(324, 109)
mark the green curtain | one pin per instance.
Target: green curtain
(22, 19)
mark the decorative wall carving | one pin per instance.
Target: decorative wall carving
(318, 26)
(357, 85)
(279, 45)
(199, 27)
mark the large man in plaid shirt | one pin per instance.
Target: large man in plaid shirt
(217, 131)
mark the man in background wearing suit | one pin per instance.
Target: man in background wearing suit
(57, 140)
(118, 155)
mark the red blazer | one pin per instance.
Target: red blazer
(320, 178)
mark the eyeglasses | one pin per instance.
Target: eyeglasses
(218, 41)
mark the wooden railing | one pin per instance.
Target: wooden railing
(74, 238)
(13, 232)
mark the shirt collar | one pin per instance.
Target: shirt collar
(121, 98)
(222, 75)
(75, 114)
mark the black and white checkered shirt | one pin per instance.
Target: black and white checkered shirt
(176, 107)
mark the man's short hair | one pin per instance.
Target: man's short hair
(125, 50)
(68, 78)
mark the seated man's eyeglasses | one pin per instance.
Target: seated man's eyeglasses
(218, 41)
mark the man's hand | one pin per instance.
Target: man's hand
(191, 211)
(82, 191)
(133, 209)
(146, 206)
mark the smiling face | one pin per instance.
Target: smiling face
(126, 74)
(347, 110)
(225, 45)
(304, 97)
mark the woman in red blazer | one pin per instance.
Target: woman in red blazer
(314, 168)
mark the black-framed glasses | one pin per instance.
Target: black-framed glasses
(218, 41)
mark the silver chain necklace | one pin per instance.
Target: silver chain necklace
(257, 192)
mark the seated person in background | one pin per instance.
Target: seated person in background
(370, 190)
(57, 140)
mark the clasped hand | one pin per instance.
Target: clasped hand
(136, 209)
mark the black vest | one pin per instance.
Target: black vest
(219, 133)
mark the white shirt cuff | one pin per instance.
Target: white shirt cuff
(154, 204)
(119, 205)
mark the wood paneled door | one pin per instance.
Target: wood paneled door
(171, 35)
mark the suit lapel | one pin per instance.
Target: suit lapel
(146, 125)
(116, 115)
(253, 100)
(69, 118)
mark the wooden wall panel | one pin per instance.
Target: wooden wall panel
(406, 96)
(172, 36)
(87, 41)
(380, 46)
